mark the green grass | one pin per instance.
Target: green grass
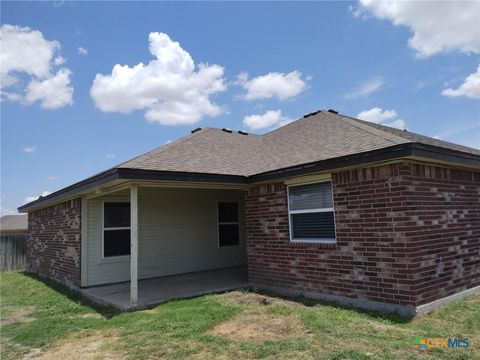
(44, 316)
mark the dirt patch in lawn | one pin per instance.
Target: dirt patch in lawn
(151, 311)
(94, 346)
(251, 298)
(261, 327)
(91, 316)
(386, 328)
(18, 315)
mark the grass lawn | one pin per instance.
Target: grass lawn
(43, 321)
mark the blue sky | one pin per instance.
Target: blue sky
(60, 125)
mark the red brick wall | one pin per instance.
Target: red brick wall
(376, 253)
(444, 231)
(53, 242)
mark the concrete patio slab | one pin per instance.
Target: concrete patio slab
(158, 290)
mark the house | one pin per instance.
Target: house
(328, 206)
(13, 234)
(13, 224)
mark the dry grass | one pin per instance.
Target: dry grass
(251, 298)
(97, 345)
(14, 315)
(256, 323)
(261, 327)
(44, 321)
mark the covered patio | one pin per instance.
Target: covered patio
(144, 243)
(161, 289)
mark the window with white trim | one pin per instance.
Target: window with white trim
(228, 224)
(311, 214)
(116, 229)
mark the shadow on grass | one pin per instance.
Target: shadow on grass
(309, 302)
(108, 312)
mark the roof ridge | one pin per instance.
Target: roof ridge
(234, 131)
(365, 125)
(164, 147)
(279, 127)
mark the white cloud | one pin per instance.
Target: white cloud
(167, 142)
(53, 93)
(170, 88)
(110, 156)
(280, 85)
(377, 115)
(269, 119)
(26, 52)
(51, 177)
(33, 198)
(59, 60)
(11, 96)
(437, 26)
(82, 51)
(470, 87)
(385, 117)
(29, 149)
(367, 88)
(397, 124)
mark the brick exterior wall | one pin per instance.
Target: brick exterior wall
(406, 234)
(53, 242)
(444, 231)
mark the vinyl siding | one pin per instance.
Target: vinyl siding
(177, 234)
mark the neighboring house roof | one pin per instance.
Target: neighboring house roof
(319, 141)
(12, 223)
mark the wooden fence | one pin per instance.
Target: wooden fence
(12, 251)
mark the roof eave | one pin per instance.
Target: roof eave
(145, 174)
(405, 150)
(78, 187)
(385, 154)
(445, 155)
(130, 174)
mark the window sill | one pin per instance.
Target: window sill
(115, 259)
(314, 241)
(228, 246)
(313, 244)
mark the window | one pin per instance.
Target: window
(116, 229)
(228, 224)
(310, 209)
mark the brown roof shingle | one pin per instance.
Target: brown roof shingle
(315, 138)
(323, 141)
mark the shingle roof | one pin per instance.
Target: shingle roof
(208, 150)
(315, 138)
(318, 142)
(13, 222)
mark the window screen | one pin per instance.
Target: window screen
(116, 229)
(228, 224)
(311, 212)
(312, 196)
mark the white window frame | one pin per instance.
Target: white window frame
(228, 223)
(118, 257)
(292, 212)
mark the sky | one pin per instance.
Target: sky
(88, 85)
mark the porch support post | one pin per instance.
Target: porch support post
(133, 246)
